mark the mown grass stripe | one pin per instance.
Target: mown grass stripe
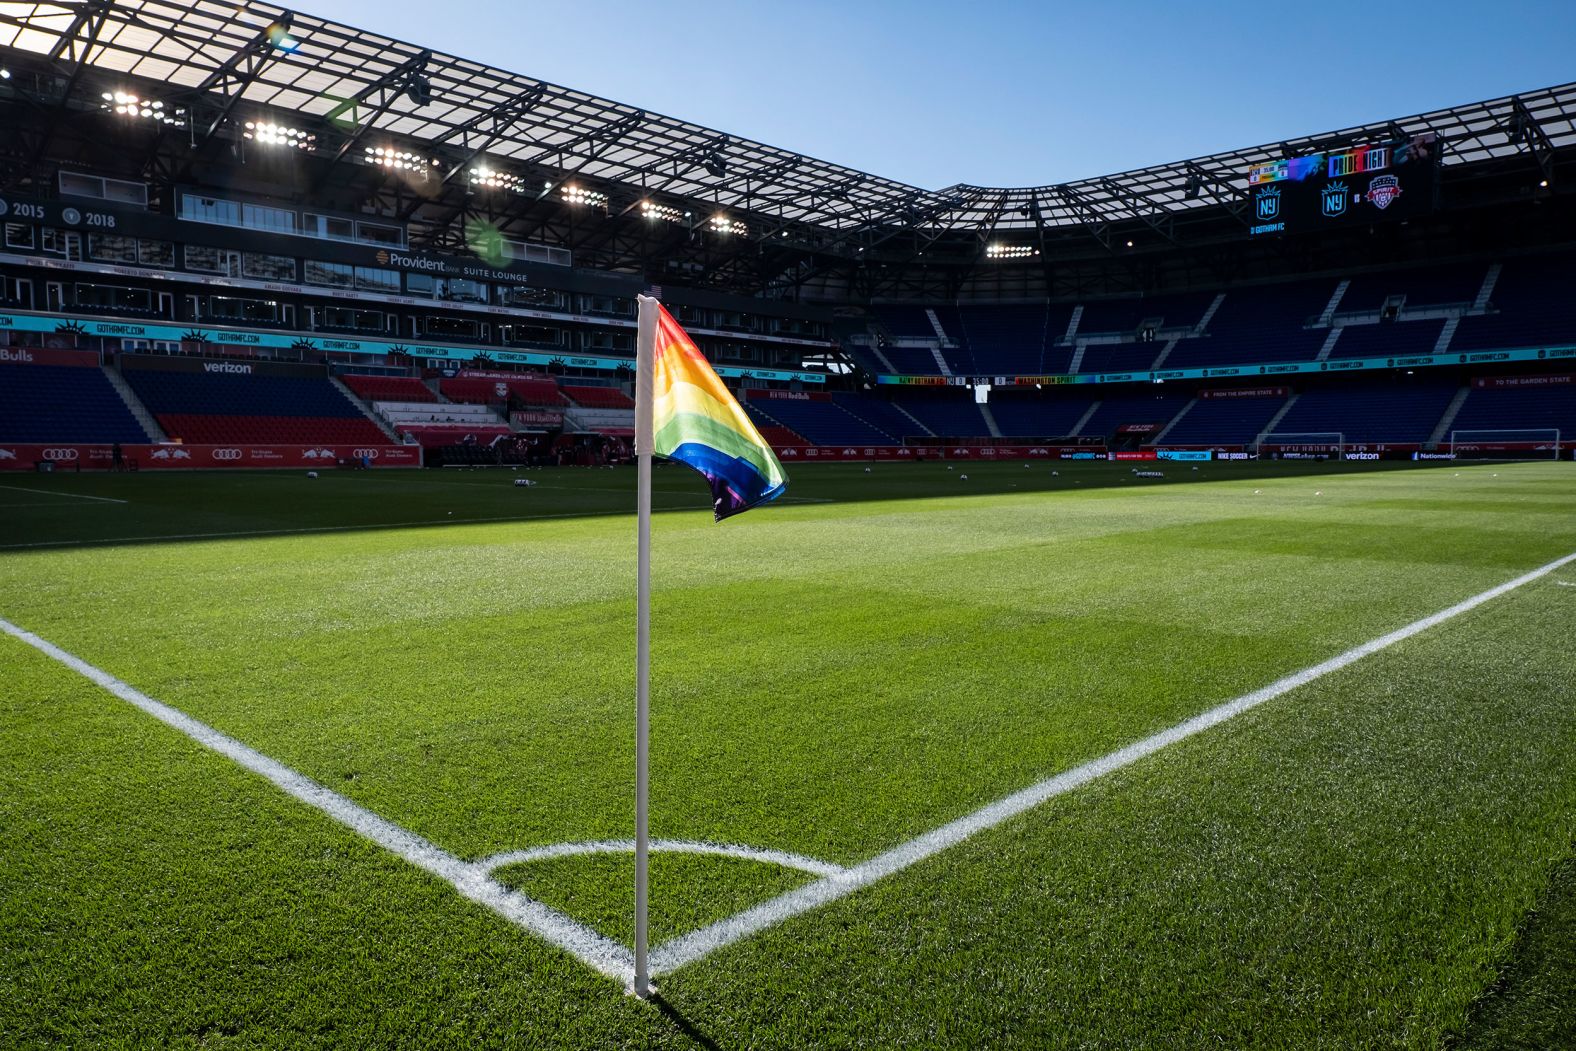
(595, 951)
(690, 948)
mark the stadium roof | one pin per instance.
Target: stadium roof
(260, 58)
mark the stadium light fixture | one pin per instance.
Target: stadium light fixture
(723, 225)
(1005, 251)
(279, 36)
(269, 134)
(125, 104)
(1129, 244)
(5, 74)
(494, 179)
(667, 213)
(402, 160)
(573, 194)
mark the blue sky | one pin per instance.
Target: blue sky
(1003, 93)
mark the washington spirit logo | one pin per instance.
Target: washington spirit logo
(1266, 203)
(1382, 191)
(1332, 199)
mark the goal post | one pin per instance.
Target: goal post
(1515, 443)
(1301, 444)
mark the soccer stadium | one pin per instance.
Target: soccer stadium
(1126, 612)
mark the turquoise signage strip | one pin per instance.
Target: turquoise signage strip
(1279, 368)
(339, 345)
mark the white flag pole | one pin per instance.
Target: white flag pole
(645, 355)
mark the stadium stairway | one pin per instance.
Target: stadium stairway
(1448, 420)
(365, 409)
(134, 405)
(1160, 435)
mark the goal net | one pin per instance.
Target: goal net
(1512, 444)
(1301, 445)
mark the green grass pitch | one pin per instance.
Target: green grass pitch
(1379, 858)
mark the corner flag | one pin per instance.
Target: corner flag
(685, 413)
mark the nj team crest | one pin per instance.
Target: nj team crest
(1333, 198)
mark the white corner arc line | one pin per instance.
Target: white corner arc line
(783, 858)
(609, 958)
(599, 953)
(65, 496)
(688, 948)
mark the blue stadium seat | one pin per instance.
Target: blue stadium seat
(63, 403)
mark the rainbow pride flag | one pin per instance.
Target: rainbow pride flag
(696, 421)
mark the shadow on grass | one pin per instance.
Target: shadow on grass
(378, 501)
(674, 1015)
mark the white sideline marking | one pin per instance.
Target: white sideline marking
(688, 948)
(605, 956)
(68, 496)
(595, 951)
(668, 846)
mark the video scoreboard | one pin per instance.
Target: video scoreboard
(1361, 185)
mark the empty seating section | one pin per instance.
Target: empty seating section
(402, 415)
(904, 322)
(599, 397)
(388, 388)
(1124, 316)
(206, 429)
(1262, 323)
(438, 437)
(1521, 408)
(529, 390)
(209, 408)
(950, 414)
(1388, 338)
(63, 403)
(1114, 412)
(1402, 413)
(1015, 339)
(1536, 307)
(1429, 286)
(1120, 357)
(775, 434)
(911, 361)
(1227, 421)
(1037, 417)
(879, 413)
(821, 422)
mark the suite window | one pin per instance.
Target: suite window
(19, 235)
(156, 253)
(354, 320)
(112, 248)
(210, 210)
(334, 275)
(453, 327)
(226, 308)
(263, 217)
(535, 298)
(377, 233)
(375, 280)
(114, 297)
(212, 260)
(268, 267)
(421, 284)
(467, 291)
(330, 227)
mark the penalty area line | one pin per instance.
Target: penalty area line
(473, 881)
(689, 948)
